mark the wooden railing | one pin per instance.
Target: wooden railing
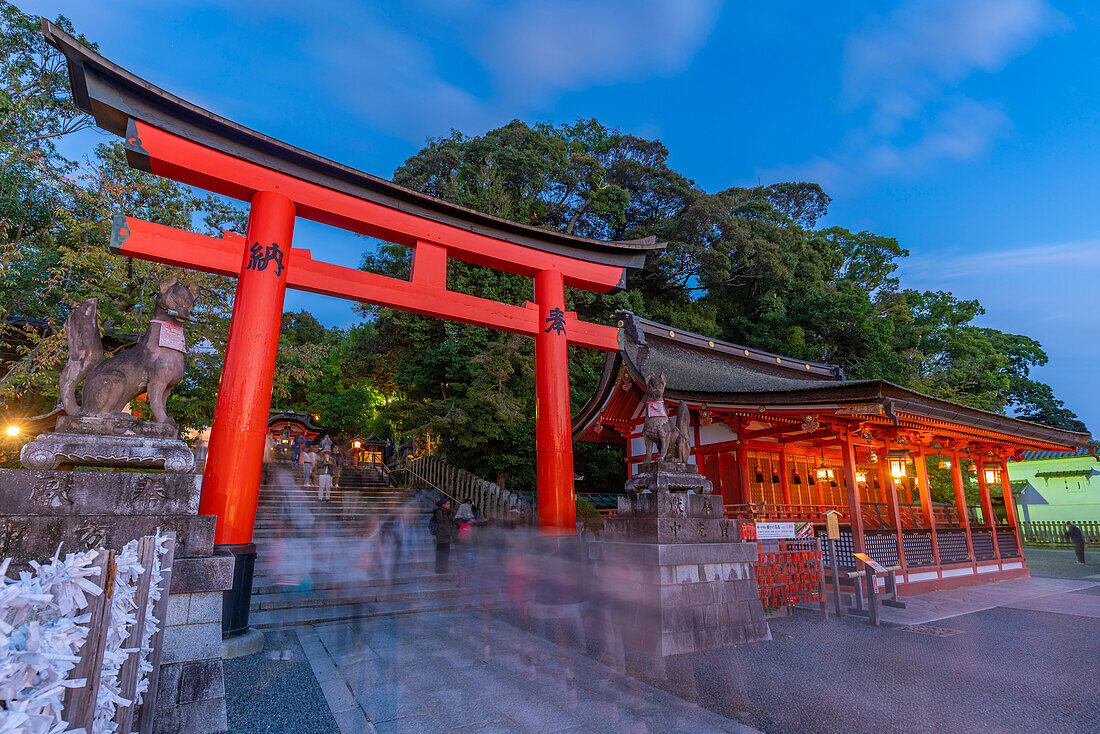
(1051, 532)
(458, 484)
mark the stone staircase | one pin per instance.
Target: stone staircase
(335, 541)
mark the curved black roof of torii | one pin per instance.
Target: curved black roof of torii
(114, 96)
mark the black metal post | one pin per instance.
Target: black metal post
(236, 601)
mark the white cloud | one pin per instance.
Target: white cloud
(537, 47)
(529, 53)
(899, 74)
(960, 130)
(899, 62)
(1062, 260)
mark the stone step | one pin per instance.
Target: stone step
(269, 619)
(346, 597)
(424, 576)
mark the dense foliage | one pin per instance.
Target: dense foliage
(55, 224)
(745, 264)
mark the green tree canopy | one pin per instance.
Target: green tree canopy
(744, 264)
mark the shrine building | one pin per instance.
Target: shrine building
(783, 439)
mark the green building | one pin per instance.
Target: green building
(1055, 487)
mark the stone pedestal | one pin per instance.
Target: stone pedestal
(87, 509)
(668, 476)
(686, 579)
(116, 441)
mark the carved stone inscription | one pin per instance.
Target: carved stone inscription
(149, 489)
(52, 490)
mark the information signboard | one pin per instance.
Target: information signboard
(775, 530)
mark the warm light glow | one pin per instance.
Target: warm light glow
(945, 463)
(992, 474)
(13, 430)
(861, 477)
(358, 444)
(823, 472)
(897, 468)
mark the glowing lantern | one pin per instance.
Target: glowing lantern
(861, 477)
(945, 464)
(992, 473)
(896, 461)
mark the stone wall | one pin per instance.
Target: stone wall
(191, 693)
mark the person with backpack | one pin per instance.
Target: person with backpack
(442, 527)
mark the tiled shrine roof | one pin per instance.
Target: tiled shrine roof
(725, 376)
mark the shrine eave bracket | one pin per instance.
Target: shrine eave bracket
(116, 98)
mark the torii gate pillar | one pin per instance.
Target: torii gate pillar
(553, 437)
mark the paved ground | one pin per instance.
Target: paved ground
(460, 672)
(1007, 670)
(941, 605)
(1019, 656)
(275, 696)
(1060, 563)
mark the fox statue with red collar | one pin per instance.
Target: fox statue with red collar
(154, 365)
(670, 439)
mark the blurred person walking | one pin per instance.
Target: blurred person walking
(306, 460)
(1075, 536)
(291, 562)
(338, 459)
(465, 512)
(325, 469)
(442, 527)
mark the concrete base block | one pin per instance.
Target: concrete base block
(249, 643)
(679, 598)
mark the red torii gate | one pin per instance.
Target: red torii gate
(175, 139)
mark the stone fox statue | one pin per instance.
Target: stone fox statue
(154, 365)
(671, 439)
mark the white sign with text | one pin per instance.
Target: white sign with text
(775, 530)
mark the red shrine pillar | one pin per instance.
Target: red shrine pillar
(553, 437)
(231, 480)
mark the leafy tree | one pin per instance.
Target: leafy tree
(55, 220)
(744, 264)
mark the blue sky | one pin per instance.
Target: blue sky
(967, 129)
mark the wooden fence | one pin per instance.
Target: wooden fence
(125, 601)
(458, 484)
(1051, 532)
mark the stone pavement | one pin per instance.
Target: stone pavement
(468, 672)
(939, 605)
(1060, 563)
